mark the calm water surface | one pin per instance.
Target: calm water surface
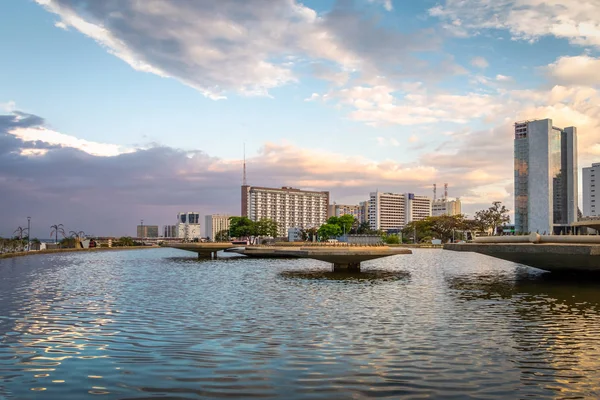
(158, 323)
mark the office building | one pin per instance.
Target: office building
(337, 210)
(294, 235)
(363, 212)
(591, 176)
(289, 207)
(545, 179)
(392, 211)
(215, 223)
(147, 231)
(188, 225)
(446, 207)
(170, 231)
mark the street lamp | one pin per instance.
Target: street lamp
(28, 233)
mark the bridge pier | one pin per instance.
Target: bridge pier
(208, 255)
(346, 267)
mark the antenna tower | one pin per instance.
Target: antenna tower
(445, 192)
(434, 192)
(244, 183)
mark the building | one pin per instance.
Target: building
(446, 207)
(147, 231)
(289, 207)
(170, 231)
(591, 175)
(363, 212)
(337, 210)
(215, 223)
(294, 235)
(392, 211)
(188, 225)
(545, 179)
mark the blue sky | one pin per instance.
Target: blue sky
(346, 96)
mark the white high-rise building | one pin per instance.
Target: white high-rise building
(591, 181)
(215, 223)
(289, 207)
(546, 187)
(394, 211)
(446, 207)
(188, 225)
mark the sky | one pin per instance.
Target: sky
(121, 110)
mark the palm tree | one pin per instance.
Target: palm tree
(77, 234)
(56, 229)
(20, 231)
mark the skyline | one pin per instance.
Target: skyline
(112, 112)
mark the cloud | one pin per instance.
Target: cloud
(382, 105)
(387, 4)
(576, 21)
(107, 195)
(577, 70)
(250, 47)
(479, 62)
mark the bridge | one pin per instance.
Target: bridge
(343, 257)
(569, 253)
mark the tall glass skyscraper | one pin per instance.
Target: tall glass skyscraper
(545, 177)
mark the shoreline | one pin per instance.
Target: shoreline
(51, 251)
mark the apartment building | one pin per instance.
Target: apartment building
(289, 207)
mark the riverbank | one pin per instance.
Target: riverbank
(52, 251)
(418, 246)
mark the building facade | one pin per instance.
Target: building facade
(289, 207)
(337, 210)
(591, 176)
(170, 231)
(147, 231)
(363, 212)
(392, 211)
(545, 178)
(188, 225)
(446, 207)
(215, 223)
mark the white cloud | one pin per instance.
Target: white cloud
(32, 134)
(387, 4)
(250, 47)
(379, 105)
(61, 25)
(578, 70)
(479, 62)
(576, 21)
(313, 97)
(9, 106)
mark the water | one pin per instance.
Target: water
(158, 323)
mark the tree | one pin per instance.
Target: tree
(125, 241)
(493, 217)
(391, 239)
(327, 231)
(266, 227)
(56, 229)
(241, 227)
(222, 236)
(346, 222)
(364, 228)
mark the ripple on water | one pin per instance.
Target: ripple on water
(141, 324)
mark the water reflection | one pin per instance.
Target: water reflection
(552, 323)
(364, 276)
(160, 323)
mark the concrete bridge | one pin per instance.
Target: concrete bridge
(548, 252)
(343, 257)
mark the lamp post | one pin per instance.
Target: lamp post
(28, 233)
